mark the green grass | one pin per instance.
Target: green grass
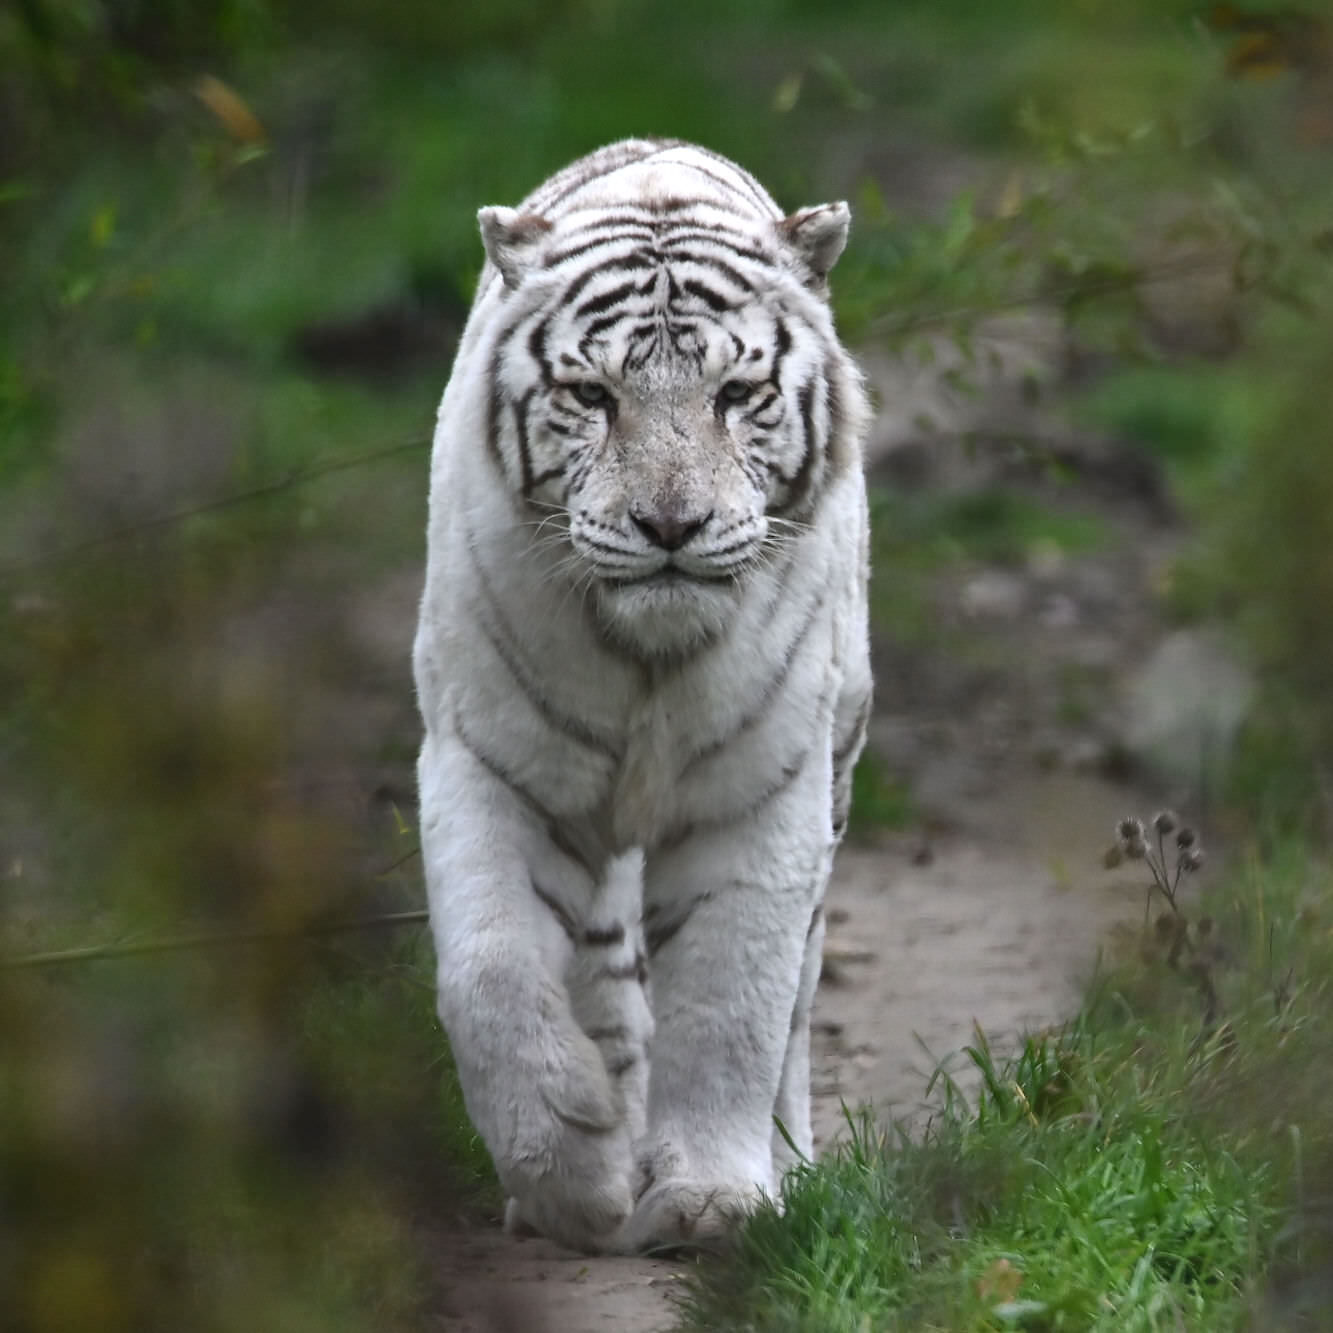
(879, 800)
(374, 1036)
(988, 526)
(915, 539)
(1129, 1171)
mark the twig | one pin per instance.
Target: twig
(1055, 294)
(209, 940)
(296, 478)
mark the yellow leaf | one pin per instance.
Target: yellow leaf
(230, 108)
(788, 92)
(1010, 202)
(1000, 1282)
(103, 225)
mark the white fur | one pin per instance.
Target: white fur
(663, 759)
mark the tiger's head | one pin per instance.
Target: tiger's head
(667, 393)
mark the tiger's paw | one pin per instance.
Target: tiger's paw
(581, 1200)
(683, 1214)
(569, 1177)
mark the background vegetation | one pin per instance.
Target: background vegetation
(238, 241)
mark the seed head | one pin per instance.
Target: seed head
(1191, 859)
(1164, 822)
(1186, 837)
(1135, 848)
(1129, 830)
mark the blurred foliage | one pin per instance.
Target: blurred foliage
(238, 241)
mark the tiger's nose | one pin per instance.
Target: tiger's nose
(669, 527)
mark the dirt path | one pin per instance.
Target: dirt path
(1001, 927)
(997, 930)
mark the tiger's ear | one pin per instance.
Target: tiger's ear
(817, 235)
(512, 240)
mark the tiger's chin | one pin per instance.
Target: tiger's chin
(668, 616)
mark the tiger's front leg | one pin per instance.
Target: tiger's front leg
(728, 928)
(516, 923)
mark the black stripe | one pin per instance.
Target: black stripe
(780, 591)
(611, 1032)
(496, 630)
(833, 399)
(604, 935)
(551, 473)
(556, 908)
(586, 171)
(798, 486)
(680, 204)
(759, 407)
(785, 780)
(782, 337)
(633, 970)
(494, 407)
(594, 305)
(564, 844)
(537, 347)
(575, 1121)
(751, 186)
(521, 430)
(496, 769)
(815, 917)
(558, 257)
(728, 185)
(613, 220)
(640, 349)
(496, 397)
(730, 250)
(569, 727)
(767, 696)
(713, 300)
(605, 322)
(636, 259)
(658, 934)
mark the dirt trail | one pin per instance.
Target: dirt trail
(997, 927)
(997, 930)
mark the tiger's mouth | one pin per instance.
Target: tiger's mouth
(670, 576)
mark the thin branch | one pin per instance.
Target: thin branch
(1056, 294)
(299, 477)
(209, 940)
(396, 862)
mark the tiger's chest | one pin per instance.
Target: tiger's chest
(621, 757)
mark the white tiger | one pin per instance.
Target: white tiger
(642, 665)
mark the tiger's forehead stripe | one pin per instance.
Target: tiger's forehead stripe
(579, 242)
(732, 183)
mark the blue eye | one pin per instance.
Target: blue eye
(591, 393)
(736, 391)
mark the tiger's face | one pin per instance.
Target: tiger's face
(670, 412)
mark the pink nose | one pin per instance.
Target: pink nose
(668, 527)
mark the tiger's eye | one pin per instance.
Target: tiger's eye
(736, 391)
(591, 393)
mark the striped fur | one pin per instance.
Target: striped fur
(643, 672)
